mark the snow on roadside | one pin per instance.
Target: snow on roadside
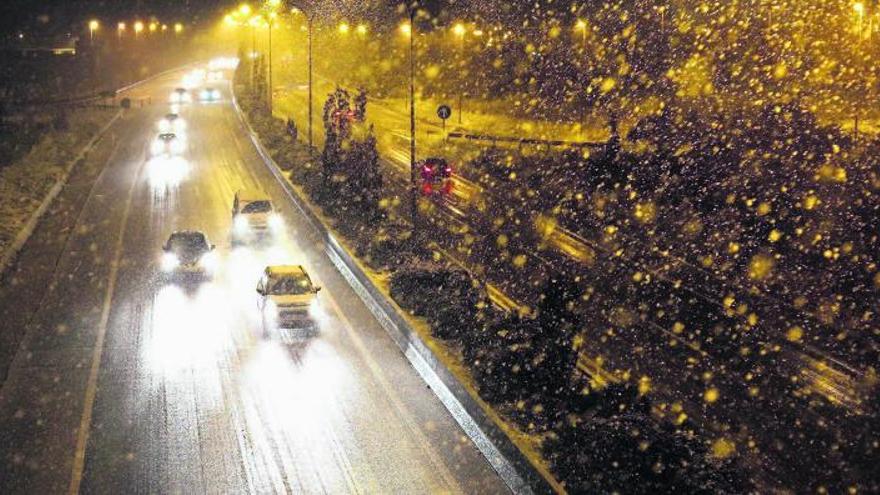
(25, 182)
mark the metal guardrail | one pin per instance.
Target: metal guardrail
(522, 141)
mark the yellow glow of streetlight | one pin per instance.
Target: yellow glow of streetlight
(153, 27)
(245, 9)
(120, 26)
(178, 27)
(94, 25)
(164, 27)
(344, 28)
(138, 26)
(859, 7)
(406, 29)
(228, 20)
(581, 25)
(459, 29)
(478, 32)
(362, 29)
(274, 3)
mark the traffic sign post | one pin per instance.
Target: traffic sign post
(444, 112)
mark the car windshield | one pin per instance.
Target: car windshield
(262, 206)
(171, 116)
(188, 242)
(167, 137)
(289, 285)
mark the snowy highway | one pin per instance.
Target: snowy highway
(125, 383)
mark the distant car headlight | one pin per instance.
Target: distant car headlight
(169, 262)
(276, 223)
(241, 224)
(210, 262)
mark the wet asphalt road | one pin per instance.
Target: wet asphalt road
(123, 383)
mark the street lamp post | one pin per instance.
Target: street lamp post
(582, 27)
(270, 63)
(414, 189)
(859, 9)
(460, 30)
(309, 21)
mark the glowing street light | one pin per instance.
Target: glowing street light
(244, 9)
(406, 29)
(164, 27)
(459, 30)
(120, 28)
(138, 27)
(93, 26)
(153, 27)
(361, 29)
(344, 28)
(178, 28)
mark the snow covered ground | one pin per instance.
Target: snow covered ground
(25, 183)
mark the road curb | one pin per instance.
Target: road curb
(28, 229)
(509, 462)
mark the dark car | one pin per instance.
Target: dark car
(188, 252)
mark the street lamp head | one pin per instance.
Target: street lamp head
(138, 26)
(94, 25)
(344, 28)
(245, 9)
(406, 29)
(178, 27)
(153, 27)
(459, 29)
(121, 26)
(164, 27)
(859, 8)
(362, 29)
(580, 25)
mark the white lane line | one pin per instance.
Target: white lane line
(82, 436)
(427, 446)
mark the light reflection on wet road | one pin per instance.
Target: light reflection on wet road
(189, 397)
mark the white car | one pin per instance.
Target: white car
(167, 143)
(209, 94)
(187, 253)
(180, 95)
(253, 215)
(172, 122)
(287, 298)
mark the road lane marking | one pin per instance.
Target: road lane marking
(392, 396)
(82, 436)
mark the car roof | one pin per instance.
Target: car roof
(286, 271)
(250, 195)
(188, 233)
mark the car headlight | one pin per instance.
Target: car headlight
(240, 224)
(209, 261)
(169, 262)
(275, 222)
